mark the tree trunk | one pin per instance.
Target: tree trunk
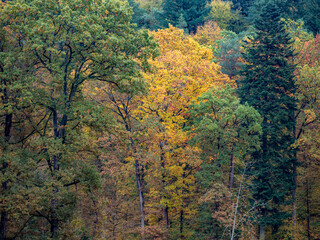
(141, 200)
(140, 190)
(58, 134)
(4, 213)
(237, 204)
(162, 163)
(294, 204)
(181, 224)
(308, 209)
(54, 203)
(262, 233)
(294, 191)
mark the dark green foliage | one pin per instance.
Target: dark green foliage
(151, 19)
(138, 13)
(243, 5)
(60, 46)
(194, 12)
(228, 53)
(225, 131)
(310, 10)
(268, 86)
(287, 9)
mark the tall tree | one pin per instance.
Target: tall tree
(73, 42)
(227, 132)
(309, 10)
(243, 6)
(184, 71)
(193, 12)
(268, 86)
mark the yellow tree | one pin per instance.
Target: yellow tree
(208, 34)
(184, 71)
(307, 76)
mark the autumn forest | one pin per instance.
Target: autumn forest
(159, 119)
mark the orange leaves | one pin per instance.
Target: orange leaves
(184, 72)
(208, 34)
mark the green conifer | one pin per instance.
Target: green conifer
(268, 86)
(193, 11)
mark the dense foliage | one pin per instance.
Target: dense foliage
(158, 119)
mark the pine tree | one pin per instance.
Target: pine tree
(268, 86)
(193, 11)
(243, 6)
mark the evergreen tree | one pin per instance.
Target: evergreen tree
(193, 11)
(182, 24)
(311, 15)
(243, 6)
(268, 86)
(138, 13)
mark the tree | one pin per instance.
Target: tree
(208, 34)
(243, 6)
(226, 18)
(228, 133)
(228, 51)
(72, 42)
(16, 155)
(194, 12)
(184, 71)
(268, 86)
(310, 10)
(307, 80)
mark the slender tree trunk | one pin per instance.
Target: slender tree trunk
(181, 224)
(139, 177)
(294, 191)
(4, 213)
(54, 202)
(294, 204)
(166, 216)
(262, 233)
(95, 210)
(162, 163)
(141, 200)
(308, 210)
(140, 190)
(237, 204)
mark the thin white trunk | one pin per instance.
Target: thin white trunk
(237, 204)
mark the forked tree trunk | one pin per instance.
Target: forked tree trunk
(140, 191)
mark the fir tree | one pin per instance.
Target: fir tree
(182, 24)
(242, 5)
(193, 11)
(268, 86)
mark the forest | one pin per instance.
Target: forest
(160, 119)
